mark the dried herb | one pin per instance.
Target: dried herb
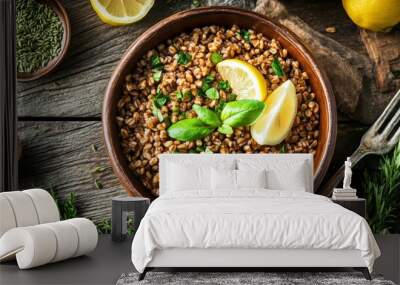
(98, 184)
(93, 148)
(39, 35)
(99, 169)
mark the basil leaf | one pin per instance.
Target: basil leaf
(212, 93)
(157, 73)
(157, 113)
(207, 116)
(156, 62)
(224, 85)
(189, 130)
(216, 58)
(225, 129)
(277, 68)
(184, 57)
(241, 113)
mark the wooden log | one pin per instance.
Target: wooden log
(60, 156)
(384, 50)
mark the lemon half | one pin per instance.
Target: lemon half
(121, 12)
(245, 80)
(274, 124)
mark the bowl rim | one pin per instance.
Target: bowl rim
(112, 143)
(62, 14)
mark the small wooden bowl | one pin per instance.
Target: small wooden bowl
(224, 16)
(52, 64)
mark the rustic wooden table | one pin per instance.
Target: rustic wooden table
(60, 115)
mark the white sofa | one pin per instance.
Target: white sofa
(31, 231)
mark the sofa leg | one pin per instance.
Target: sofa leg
(142, 275)
(364, 271)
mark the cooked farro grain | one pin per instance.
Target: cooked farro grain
(168, 80)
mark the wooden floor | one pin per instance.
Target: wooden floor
(60, 115)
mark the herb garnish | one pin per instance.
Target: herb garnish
(157, 112)
(225, 129)
(216, 57)
(206, 84)
(160, 99)
(157, 67)
(209, 79)
(224, 85)
(277, 68)
(156, 62)
(282, 149)
(184, 57)
(157, 73)
(245, 34)
(234, 114)
(212, 93)
(183, 95)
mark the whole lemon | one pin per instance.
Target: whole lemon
(375, 15)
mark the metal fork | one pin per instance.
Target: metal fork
(380, 138)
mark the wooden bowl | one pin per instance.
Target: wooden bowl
(52, 64)
(224, 16)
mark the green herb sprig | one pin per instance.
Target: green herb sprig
(234, 114)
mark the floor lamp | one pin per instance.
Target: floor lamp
(8, 114)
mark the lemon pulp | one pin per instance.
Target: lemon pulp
(121, 12)
(245, 80)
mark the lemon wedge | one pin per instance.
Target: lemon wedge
(245, 80)
(274, 124)
(121, 12)
(374, 15)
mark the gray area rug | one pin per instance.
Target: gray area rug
(243, 278)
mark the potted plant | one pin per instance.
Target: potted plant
(382, 192)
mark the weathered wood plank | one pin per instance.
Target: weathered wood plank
(77, 87)
(58, 155)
